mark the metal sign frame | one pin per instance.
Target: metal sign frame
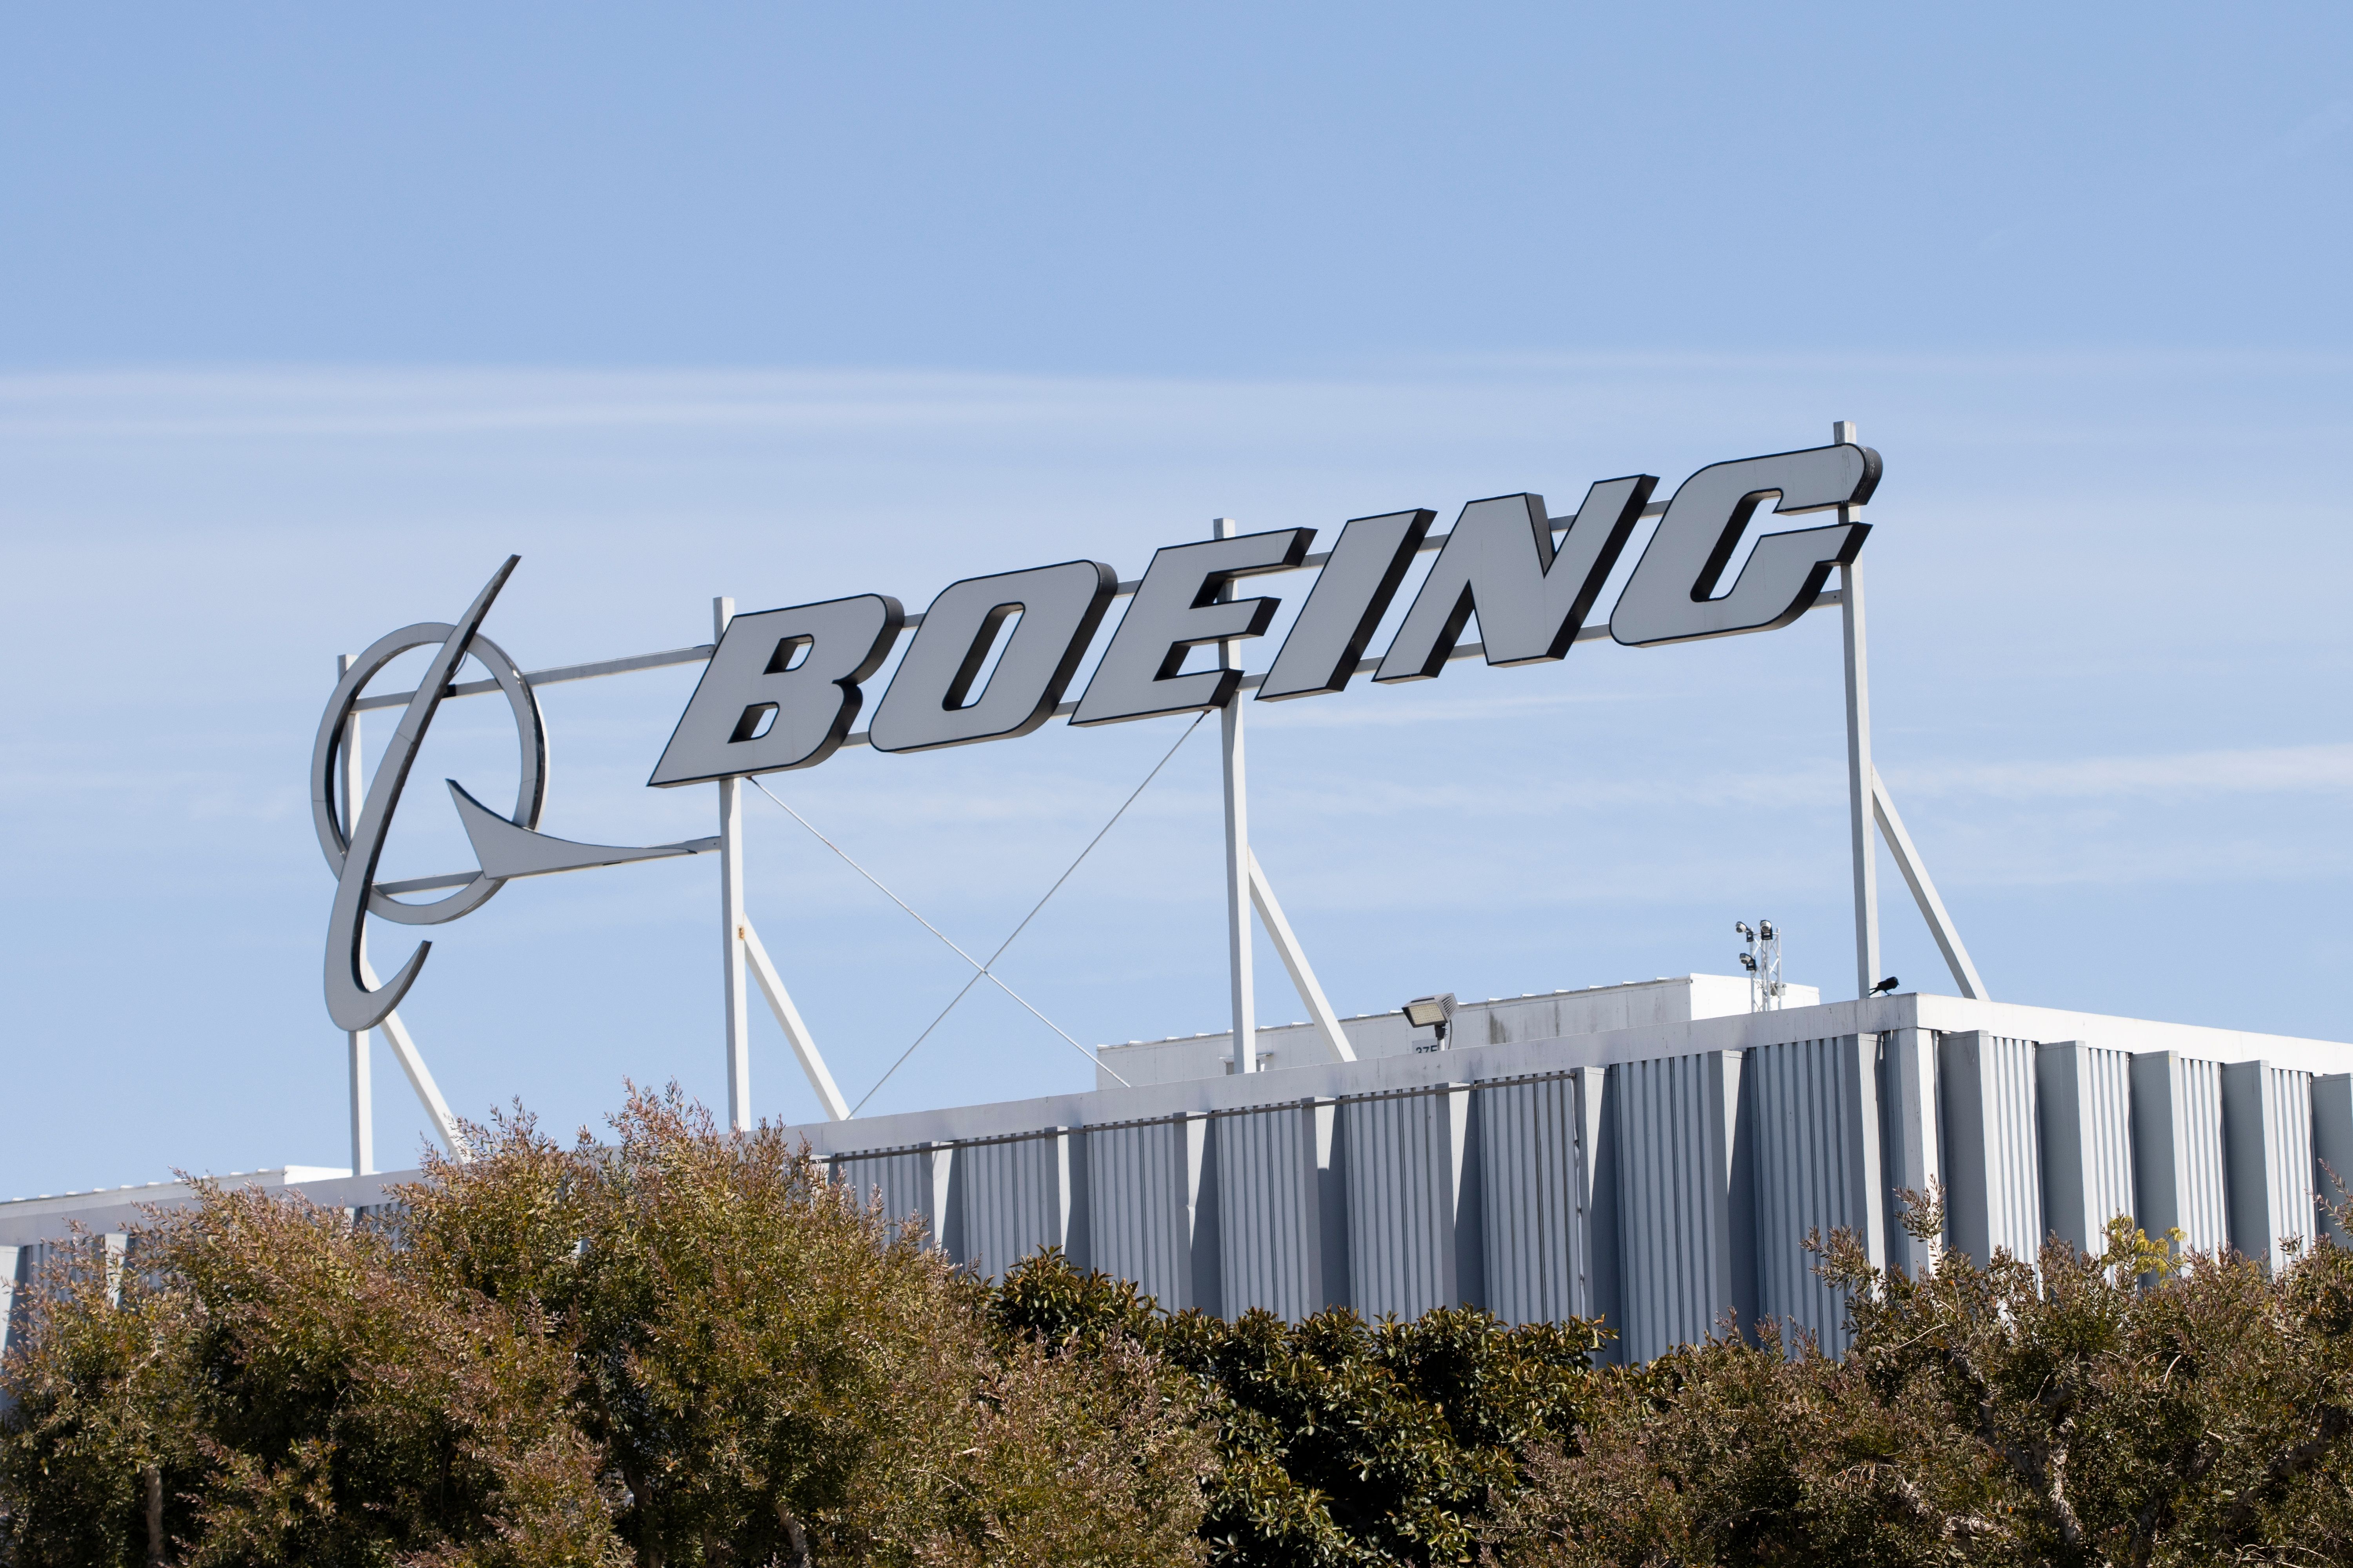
(1372, 556)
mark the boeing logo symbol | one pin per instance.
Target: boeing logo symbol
(504, 846)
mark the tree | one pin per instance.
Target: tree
(1343, 1442)
(682, 1348)
(2137, 1406)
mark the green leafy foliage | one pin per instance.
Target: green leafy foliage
(1343, 1442)
(681, 1347)
(2136, 1407)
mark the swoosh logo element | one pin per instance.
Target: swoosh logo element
(352, 1001)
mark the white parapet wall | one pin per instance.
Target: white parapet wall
(1665, 1175)
(1497, 1021)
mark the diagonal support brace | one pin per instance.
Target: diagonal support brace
(796, 1033)
(1295, 959)
(428, 1093)
(420, 1078)
(1924, 892)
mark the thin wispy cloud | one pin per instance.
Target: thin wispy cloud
(2267, 769)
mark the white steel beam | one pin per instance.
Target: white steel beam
(733, 924)
(1237, 852)
(1295, 959)
(363, 1108)
(362, 1088)
(1858, 758)
(428, 1093)
(396, 1033)
(1924, 892)
(780, 1003)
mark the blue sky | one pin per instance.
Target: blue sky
(307, 318)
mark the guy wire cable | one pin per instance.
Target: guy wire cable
(983, 969)
(986, 970)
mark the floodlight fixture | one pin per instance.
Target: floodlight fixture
(1431, 1013)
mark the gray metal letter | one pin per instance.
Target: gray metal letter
(931, 702)
(1345, 606)
(1500, 560)
(1668, 599)
(780, 663)
(1176, 609)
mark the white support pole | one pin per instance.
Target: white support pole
(356, 1042)
(1295, 959)
(1858, 758)
(1924, 892)
(733, 924)
(12, 1261)
(780, 1003)
(1238, 854)
(363, 1108)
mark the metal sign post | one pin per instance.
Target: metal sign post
(362, 1088)
(1869, 805)
(1247, 886)
(396, 1033)
(744, 955)
(1858, 754)
(733, 924)
(1242, 983)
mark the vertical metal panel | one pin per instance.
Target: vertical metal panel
(1143, 1189)
(1991, 1145)
(1407, 1234)
(1816, 1140)
(2087, 1139)
(15, 1268)
(912, 1183)
(1534, 1182)
(1015, 1197)
(2332, 1148)
(2178, 1149)
(1684, 1207)
(2290, 1163)
(1272, 1178)
(1911, 1151)
(1597, 1121)
(2267, 1144)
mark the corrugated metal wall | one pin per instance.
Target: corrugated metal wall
(2087, 1146)
(1015, 1196)
(2290, 1156)
(19, 1267)
(1413, 1243)
(2332, 1147)
(913, 1184)
(1684, 1207)
(2267, 1140)
(1536, 1180)
(1991, 1145)
(1911, 1150)
(1276, 1242)
(1817, 1171)
(2178, 1149)
(1663, 1195)
(1143, 1207)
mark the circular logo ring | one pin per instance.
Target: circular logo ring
(326, 754)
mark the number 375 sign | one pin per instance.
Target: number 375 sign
(784, 687)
